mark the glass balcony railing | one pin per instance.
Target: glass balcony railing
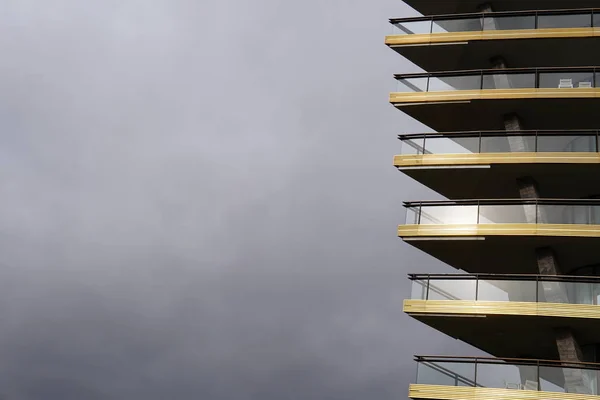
(515, 374)
(497, 21)
(503, 288)
(473, 212)
(491, 79)
(501, 142)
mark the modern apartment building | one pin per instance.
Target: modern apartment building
(512, 89)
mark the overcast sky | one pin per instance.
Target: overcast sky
(198, 202)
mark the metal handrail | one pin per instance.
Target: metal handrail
(510, 361)
(493, 133)
(482, 15)
(496, 71)
(519, 13)
(500, 202)
(507, 277)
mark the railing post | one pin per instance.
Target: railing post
(424, 142)
(427, 292)
(478, 211)
(538, 375)
(419, 214)
(475, 375)
(536, 141)
(476, 287)
(536, 20)
(480, 140)
(537, 288)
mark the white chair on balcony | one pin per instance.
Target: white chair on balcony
(530, 385)
(565, 84)
(585, 85)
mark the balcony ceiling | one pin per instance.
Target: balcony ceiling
(562, 181)
(566, 113)
(509, 254)
(517, 53)
(437, 7)
(513, 336)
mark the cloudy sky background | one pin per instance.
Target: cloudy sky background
(199, 203)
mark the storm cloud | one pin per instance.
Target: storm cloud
(198, 202)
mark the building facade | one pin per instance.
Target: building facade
(512, 89)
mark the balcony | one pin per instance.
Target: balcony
(501, 236)
(452, 378)
(547, 98)
(466, 41)
(508, 315)
(436, 7)
(461, 165)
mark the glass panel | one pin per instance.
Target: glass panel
(414, 27)
(507, 214)
(457, 25)
(412, 215)
(413, 146)
(504, 376)
(452, 289)
(509, 81)
(567, 143)
(412, 84)
(565, 21)
(507, 144)
(507, 23)
(445, 83)
(567, 80)
(452, 145)
(498, 290)
(569, 380)
(449, 215)
(419, 289)
(446, 374)
(569, 214)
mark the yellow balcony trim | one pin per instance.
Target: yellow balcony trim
(483, 308)
(490, 94)
(451, 37)
(467, 230)
(438, 392)
(412, 160)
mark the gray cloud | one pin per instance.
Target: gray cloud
(198, 202)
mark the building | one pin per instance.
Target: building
(512, 89)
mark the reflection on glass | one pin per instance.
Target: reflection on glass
(507, 290)
(569, 380)
(412, 215)
(457, 25)
(452, 289)
(419, 289)
(413, 27)
(446, 374)
(452, 145)
(569, 214)
(509, 81)
(565, 21)
(449, 215)
(509, 22)
(506, 214)
(468, 82)
(413, 146)
(570, 143)
(566, 80)
(505, 376)
(412, 84)
(507, 144)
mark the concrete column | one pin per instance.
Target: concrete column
(576, 380)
